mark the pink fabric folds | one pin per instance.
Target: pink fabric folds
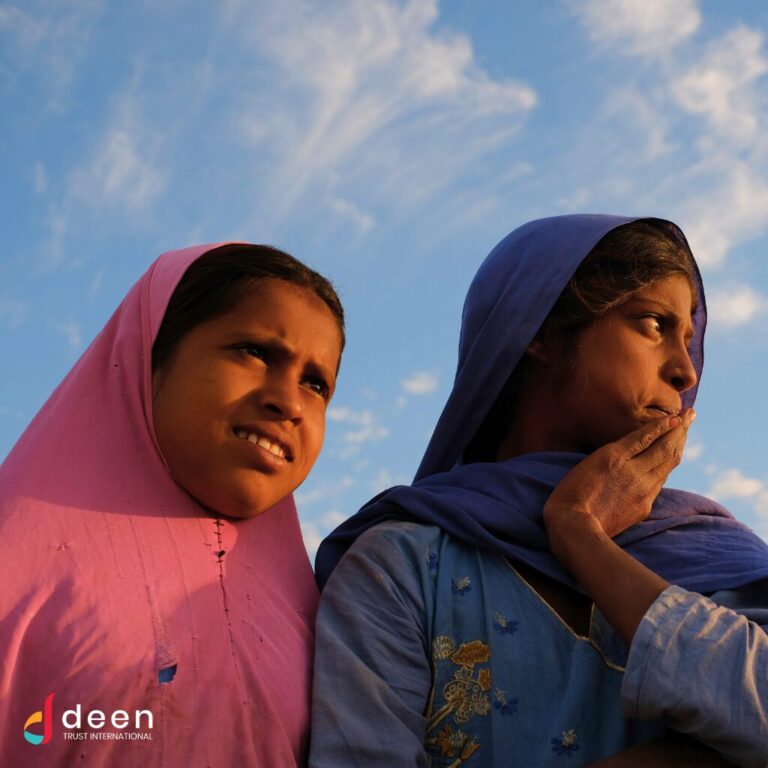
(120, 594)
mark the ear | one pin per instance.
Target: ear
(541, 352)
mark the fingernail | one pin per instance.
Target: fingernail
(674, 420)
(691, 416)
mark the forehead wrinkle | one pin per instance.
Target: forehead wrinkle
(276, 343)
(276, 336)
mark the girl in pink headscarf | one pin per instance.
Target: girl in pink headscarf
(157, 603)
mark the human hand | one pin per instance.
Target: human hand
(615, 487)
(671, 751)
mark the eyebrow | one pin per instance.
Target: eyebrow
(276, 345)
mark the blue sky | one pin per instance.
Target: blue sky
(390, 145)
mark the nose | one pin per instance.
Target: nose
(280, 394)
(681, 374)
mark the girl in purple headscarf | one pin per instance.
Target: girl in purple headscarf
(535, 597)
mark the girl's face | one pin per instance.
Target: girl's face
(630, 367)
(239, 408)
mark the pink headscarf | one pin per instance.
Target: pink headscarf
(114, 580)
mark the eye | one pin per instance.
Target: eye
(252, 350)
(317, 384)
(654, 323)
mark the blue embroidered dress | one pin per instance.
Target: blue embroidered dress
(431, 652)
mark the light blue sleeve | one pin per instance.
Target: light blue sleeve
(702, 666)
(372, 673)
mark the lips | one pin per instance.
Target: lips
(266, 439)
(664, 410)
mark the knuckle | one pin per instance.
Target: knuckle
(647, 439)
(673, 452)
(614, 458)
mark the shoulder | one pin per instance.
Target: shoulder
(404, 548)
(394, 552)
(409, 539)
(750, 600)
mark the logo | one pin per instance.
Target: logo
(79, 726)
(44, 716)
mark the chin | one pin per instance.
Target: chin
(241, 514)
(237, 508)
(246, 510)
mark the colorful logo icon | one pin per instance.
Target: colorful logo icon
(44, 716)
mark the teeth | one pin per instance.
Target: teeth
(263, 442)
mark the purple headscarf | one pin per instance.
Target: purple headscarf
(688, 539)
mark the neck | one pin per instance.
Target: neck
(534, 425)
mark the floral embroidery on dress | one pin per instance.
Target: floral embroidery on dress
(566, 744)
(431, 559)
(503, 703)
(461, 586)
(469, 654)
(442, 647)
(503, 625)
(465, 696)
(450, 743)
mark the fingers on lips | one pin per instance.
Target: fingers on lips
(650, 435)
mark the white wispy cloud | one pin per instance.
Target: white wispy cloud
(724, 93)
(365, 424)
(710, 91)
(725, 89)
(384, 479)
(720, 87)
(312, 536)
(735, 305)
(420, 383)
(726, 208)
(643, 123)
(648, 28)
(314, 531)
(54, 247)
(13, 311)
(94, 289)
(369, 89)
(347, 209)
(72, 332)
(693, 451)
(733, 484)
(39, 179)
(322, 492)
(123, 169)
(7, 412)
(50, 38)
(120, 173)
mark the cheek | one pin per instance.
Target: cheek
(314, 438)
(185, 417)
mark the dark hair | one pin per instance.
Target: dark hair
(626, 260)
(629, 258)
(214, 284)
